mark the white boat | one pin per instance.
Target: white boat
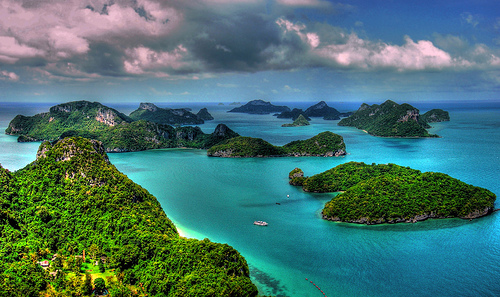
(260, 223)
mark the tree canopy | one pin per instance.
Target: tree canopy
(72, 199)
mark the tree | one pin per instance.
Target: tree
(101, 266)
(78, 264)
(99, 285)
(120, 290)
(86, 288)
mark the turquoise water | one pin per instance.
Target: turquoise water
(220, 199)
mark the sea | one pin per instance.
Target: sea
(298, 253)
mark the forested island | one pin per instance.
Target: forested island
(169, 116)
(325, 144)
(389, 193)
(71, 211)
(121, 133)
(320, 109)
(118, 132)
(435, 115)
(390, 119)
(259, 107)
(299, 121)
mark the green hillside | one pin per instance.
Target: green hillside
(390, 193)
(115, 130)
(71, 200)
(324, 144)
(388, 120)
(166, 116)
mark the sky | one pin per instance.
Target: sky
(241, 50)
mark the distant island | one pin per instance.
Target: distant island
(391, 120)
(259, 107)
(375, 194)
(299, 121)
(70, 219)
(118, 132)
(320, 109)
(204, 114)
(325, 144)
(169, 116)
(435, 115)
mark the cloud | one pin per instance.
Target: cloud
(470, 19)
(304, 3)
(161, 93)
(12, 51)
(348, 51)
(359, 53)
(287, 88)
(141, 60)
(10, 76)
(91, 39)
(66, 30)
(227, 85)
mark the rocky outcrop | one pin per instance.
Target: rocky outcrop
(148, 106)
(297, 172)
(107, 117)
(300, 121)
(223, 131)
(70, 149)
(204, 115)
(336, 153)
(321, 109)
(188, 133)
(410, 115)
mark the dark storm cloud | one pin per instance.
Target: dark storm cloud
(104, 59)
(236, 43)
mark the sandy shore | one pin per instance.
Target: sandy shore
(187, 233)
(181, 232)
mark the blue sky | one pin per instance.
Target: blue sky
(240, 50)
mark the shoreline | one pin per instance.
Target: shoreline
(187, 233)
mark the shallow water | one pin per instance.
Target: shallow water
(220, 198)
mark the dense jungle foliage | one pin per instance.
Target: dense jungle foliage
(392, 193)
(71, 200)
(323, 144)
(115, 130)
(245, 147)
(389, 120)
(77, 115)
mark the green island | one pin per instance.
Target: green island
(169, 116)
(118, 132)
(299, 121)
(389, 119)
(435, 115)
(259, 107)
(70, 222)
(325, 144)
(320, 109)
(389, 193)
